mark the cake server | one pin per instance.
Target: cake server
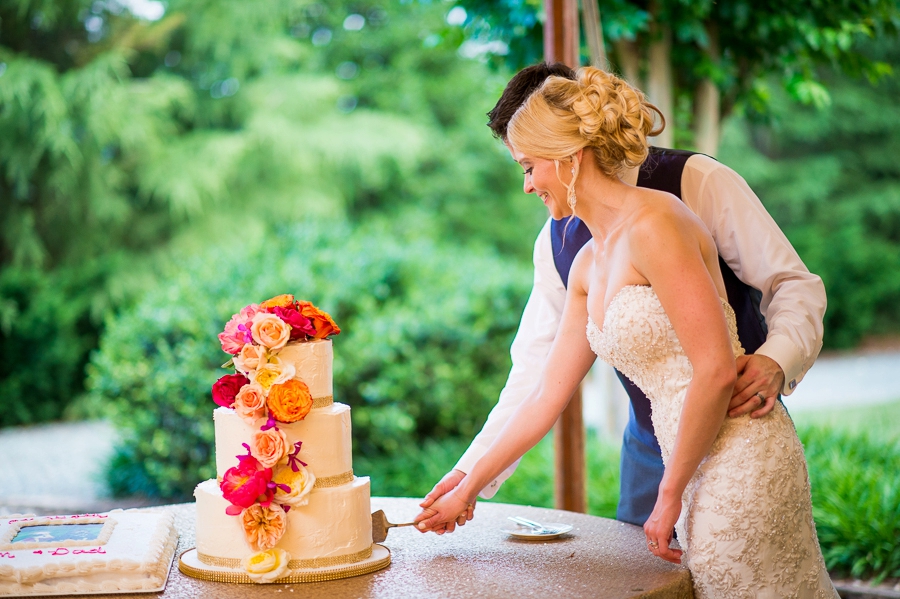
(380, 526)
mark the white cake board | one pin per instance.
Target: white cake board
(190, 565)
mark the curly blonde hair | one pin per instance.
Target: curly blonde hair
(597, 110)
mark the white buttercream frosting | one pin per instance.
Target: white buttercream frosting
(325, 434)
(312, 361)
(337, 521)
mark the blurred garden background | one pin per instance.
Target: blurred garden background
(163, 164)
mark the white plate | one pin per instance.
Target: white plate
(524, 532)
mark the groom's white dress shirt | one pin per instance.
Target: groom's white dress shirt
(751, 243)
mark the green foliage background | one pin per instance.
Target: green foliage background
(157, 175)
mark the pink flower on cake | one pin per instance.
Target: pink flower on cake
(273, 373)
(263, 526)
(245, 484)
(301, 326)
(300, 482)
(250, 358)
(269, 446)
(266, 566)
(226, 389)
(250, 403)
(237, 331)
(270, 331)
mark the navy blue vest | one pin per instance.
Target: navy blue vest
(662, 171)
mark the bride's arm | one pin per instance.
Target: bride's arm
(675, 254)
(569, 360)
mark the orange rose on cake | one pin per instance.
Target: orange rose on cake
(321, 320)
(289, 401)
(279, 301)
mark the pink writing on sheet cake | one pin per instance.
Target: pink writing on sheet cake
(7, 554)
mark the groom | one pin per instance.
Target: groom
(779, 306)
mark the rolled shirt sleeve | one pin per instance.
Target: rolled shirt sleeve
(754, 247)
(537, 329)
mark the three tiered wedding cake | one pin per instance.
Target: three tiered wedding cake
(286, 505)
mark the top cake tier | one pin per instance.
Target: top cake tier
(313, 363)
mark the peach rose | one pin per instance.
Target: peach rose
(279, 301)
(301, 483)
(250, 358)
(268, 446)
(273, 373)
(323, 322)
(289, 401)
(263, 526)
(270, 331)
(250, 403)
(266, 566)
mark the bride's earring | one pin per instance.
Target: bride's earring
(571, 199)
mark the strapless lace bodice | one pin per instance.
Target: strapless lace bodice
(746, 523)
(639, 341)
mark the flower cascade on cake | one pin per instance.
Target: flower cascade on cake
(270, 478)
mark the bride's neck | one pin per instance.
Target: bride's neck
(601, 201)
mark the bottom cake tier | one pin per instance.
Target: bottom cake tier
(333, 529)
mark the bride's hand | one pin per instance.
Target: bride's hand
(659, 527)
(446, 508)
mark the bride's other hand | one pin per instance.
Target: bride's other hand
(448, 509)
(760, 380)
(659, 526)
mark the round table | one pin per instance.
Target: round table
(599, 558)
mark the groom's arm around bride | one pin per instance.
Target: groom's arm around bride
(782, 319)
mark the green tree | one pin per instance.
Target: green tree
(699, 60)
(830, 178)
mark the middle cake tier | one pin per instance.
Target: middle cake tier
(324, 433)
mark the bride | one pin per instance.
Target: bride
(645, 294)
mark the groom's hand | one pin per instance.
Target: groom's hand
(447, 484)
(760, 380)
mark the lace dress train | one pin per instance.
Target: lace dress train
(746, 523)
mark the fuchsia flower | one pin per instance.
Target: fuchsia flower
(226, 389)
(246, 484)
(301, 326)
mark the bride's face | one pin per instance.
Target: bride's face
(541, 180)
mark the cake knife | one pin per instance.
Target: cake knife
(380, 526)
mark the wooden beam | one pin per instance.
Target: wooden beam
(561, 44)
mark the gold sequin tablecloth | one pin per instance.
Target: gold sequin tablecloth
(599, 558)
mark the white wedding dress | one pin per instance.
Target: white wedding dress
(746, 523)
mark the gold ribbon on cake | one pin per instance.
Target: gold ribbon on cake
(334, 481)
(322, 402)
(326, 481)
(294, 564)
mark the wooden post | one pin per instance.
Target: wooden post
(561, 45)
(561, 32)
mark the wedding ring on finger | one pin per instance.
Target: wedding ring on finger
(652, 544)
(761, 397)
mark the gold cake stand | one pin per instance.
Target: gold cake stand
(189, 563)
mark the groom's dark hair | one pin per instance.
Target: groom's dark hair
(517, 91)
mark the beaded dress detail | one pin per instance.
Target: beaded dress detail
(746, 522)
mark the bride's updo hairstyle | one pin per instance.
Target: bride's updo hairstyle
(597, 110)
